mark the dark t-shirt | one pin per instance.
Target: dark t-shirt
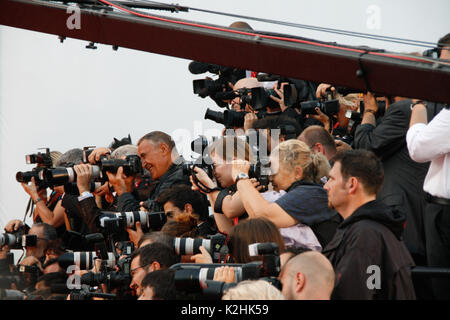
(306, 203)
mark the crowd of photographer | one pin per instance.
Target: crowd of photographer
(312, 192)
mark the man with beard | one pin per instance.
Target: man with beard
(367, 252)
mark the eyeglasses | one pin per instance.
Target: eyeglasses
(132, 271)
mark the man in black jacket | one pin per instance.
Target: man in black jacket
(367, 252)
(403, 183)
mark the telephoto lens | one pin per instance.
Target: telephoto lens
(148, 220)
(61, 175)
(84, 260)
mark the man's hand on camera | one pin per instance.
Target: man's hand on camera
(280, 93)
(203, 257)
(31, 260)
(84, 175)
(322, 88)
(95, 155)
(13, 225)
(224, 274)
(370, 103)
(203, 178)
(322, 117)
(135, 235)
(31, 189)
(120, 182)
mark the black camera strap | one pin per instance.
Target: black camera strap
(219, 200)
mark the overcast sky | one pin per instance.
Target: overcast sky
(64, 96)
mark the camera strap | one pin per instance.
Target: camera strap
(362, 73)
(219, 200)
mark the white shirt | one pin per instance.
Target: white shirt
(432, 143)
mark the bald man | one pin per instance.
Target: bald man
(307, 276)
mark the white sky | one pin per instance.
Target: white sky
(64, 96)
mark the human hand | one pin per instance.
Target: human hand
(13, 225)
(322, 117)
(135, 235)
(203, 257)
(31, 189)
(224, 274)
(280, 93)
(370, 103)
(341, 145)
(249, 119)
(3, 252)
(84, 175)
(31, 260)
(202, 177)
(96, 154)
(117, 181)
(322, 89)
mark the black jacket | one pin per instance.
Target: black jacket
(403, 178)
(173, 176)
(371, 236)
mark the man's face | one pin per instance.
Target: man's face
(153, 158)
(445, 53)
(172, 211)
(39, 250)
(147, 294)
(336, 188)
(222, 171)
(138, 273)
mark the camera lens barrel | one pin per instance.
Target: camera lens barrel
(186, 246)
(84, 260)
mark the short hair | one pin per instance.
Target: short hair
(123, 151)
(293, 153)
(249, 231)
(241, 25)
(157, 236)
(317, 134)
(180, 195)
(158, 252)
(278, 122)
(48, 230)
(70, 157)
(184, 225)
(363, 165)
(230, 147)
(444, 41)
(253, 290)
(163, 284)
(157, 137)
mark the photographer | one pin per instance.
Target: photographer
(225, 201)
(299, 172)
(159, 157)
(180, 200)
(319, 140)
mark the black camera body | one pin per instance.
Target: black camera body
(18, 239)
(42, 161)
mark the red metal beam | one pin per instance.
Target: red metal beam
(385, 75)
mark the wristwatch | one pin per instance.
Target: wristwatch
(241, 176)
(37, 200)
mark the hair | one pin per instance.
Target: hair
(249, 231)
(253, 290)
(116, 143)
(163, 284)
(157, 236)
(363, 165)
(157, 137)
(55, 155)
(241, 25)
(317, 269)
(317, 134)
(48, 230)
(180, 195)
(293, 153)
(158, 252)
(53, 278)
(277, 122)
(444, 41)
(73, 156)
(230, 147)
(123, 151)
(184, 225)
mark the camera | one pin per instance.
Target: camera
(18, 239)
(131, 165)
(61, 175)
(42, 161)
(261, 171)
(115, 222)
(214, 244)
(192, 278)
(72, 188)
(210, 88)
(86, 294)
(229, 118)
(112, 279)
(84, 260)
